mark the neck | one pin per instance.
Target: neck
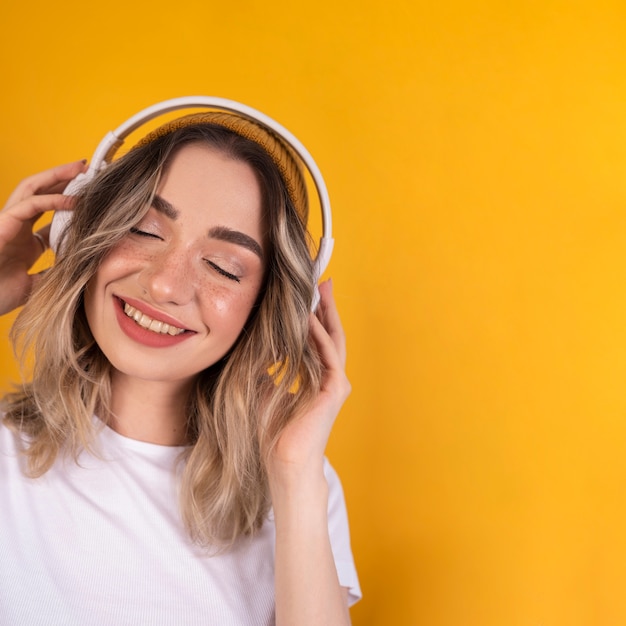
(150, 411)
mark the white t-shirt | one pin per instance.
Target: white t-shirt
(101, 543)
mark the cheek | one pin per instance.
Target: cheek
(230, 307)
(112, 265)
(126, 254)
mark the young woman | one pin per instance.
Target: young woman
(165, 465)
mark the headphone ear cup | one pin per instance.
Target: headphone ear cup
(316, 298)
(321, 263)
(61, 219)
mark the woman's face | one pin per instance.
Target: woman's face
(171, 299)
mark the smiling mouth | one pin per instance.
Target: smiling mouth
(151, 324)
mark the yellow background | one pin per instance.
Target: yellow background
(475, 154)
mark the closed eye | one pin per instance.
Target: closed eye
(143, 233)
(223, 272)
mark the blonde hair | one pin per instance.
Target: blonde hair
(238, 407)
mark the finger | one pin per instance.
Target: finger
(58, 188)
(34, 206)
(331, 358)
(16, 223)
(53, 180)
(335, 380)
(329, 317)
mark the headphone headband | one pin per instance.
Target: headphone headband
(113, 140)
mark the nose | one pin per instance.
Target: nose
(168, 277)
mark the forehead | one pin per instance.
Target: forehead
(205, 184)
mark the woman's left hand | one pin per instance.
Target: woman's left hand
(308, 590)
(301, 446)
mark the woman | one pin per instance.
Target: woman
(166, 463)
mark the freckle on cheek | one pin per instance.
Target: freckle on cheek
(217, 299)
(217, 302)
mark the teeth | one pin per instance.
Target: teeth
(147, 322)
(156, 326)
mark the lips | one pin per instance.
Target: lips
(151, 324)
(144, 327)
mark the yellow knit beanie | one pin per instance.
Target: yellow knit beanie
(280, 152)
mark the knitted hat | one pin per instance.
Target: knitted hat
(280, 152)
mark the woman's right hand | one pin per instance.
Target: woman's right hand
(19, 247)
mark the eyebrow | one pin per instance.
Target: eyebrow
(222, 233)
(234, 236)
(163, 206)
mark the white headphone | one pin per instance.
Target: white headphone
(114, 139)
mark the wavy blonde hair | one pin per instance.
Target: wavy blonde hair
(238, 407)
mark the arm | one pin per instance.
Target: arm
(307, 589)
(19, 248)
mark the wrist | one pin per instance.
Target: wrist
(299, 498)
(297, 478)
